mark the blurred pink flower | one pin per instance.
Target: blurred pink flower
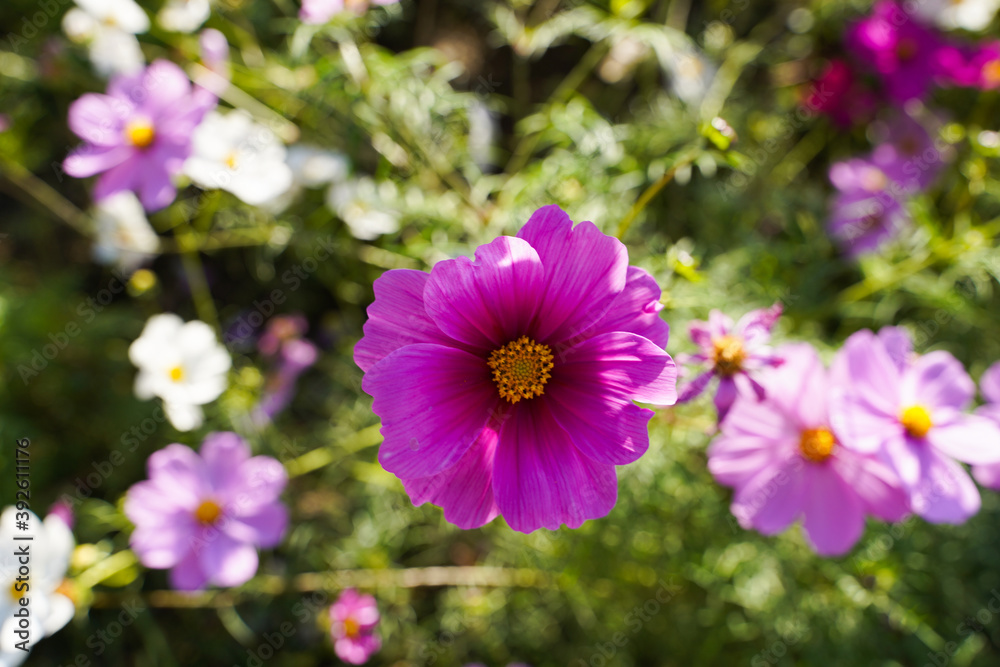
(912, 416)
(204, 516)
(989, 385)
(734, 353)
(293, 355)
(907, 153)
(353, 620)
(899, 47)
(840, 94)
(784, 462)
(321, 11)
(138, 134)
(867, 211)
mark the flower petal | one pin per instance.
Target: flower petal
(695, 387)
(773, 498)
(434, 401)
(834, 515)
(88, 160)
(180, 468)
(859, 424)
(989, 383)
(98, 119)
(226, 561)
(188, 574)
(937, 380)
(585, 272)
(397, 318)
(464, 491)
(224, 452)
(944, 493)
(879, 488)
(637, 309)
(490, 301)
(264, 528)
(968, 438)
(541, 480)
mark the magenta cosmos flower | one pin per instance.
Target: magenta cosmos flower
(901, 49)
(505, 383)
(353, 620)
(321, 11)
(989, 386)
(840, 94)
(203, 517)
(138, 134)
(783, 460)
(911, 415)
(734, 354)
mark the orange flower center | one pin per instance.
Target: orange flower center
(991, 73)
(140, 133)
(728, 354)
(208, 512)
(816, 444)
(351, 627)
(521, 368)
(916, 420)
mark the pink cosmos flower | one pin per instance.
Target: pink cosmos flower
(971, 65)
(911, 415)
(866, 212)
(292, 355)
(203, 516)
(505, 383)
(840, 94)
(907, 154)
(900, 48)
(138, 134)
(321, 11)
(734, 354)
(353, 619)
(989, 385)
(783, 460)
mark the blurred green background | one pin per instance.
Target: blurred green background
(579, 120)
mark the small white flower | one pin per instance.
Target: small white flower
(109, 27)
(124, 235)
(974, 15)
(184, 15)
(691, 73)
(314, 167)
(51, 548)
(234, 153)
(361, 204)
(182, 363)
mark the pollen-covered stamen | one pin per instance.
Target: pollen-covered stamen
(521, 368)
(816, 444)
(208, 512)
(916, 420)
(728, 355)
(140, 133)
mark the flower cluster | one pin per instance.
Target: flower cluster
(909, 57)
(878, 434)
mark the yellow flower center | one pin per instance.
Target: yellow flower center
(351, 627)
(991, 73)
(728, 355)
(521, 369)
(816, 444)
(177, 373)
(208, 512)
(140, 133)
(15, 594)
(230, 160)
(916, 420)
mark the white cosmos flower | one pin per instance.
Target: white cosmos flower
(314, 167)
(182, 363)
(184, 15)
(232, 152)
(364, 206)
(50, 610)
(974, 15)
(109, 28)
(124, 235)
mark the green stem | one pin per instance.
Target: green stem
(686, 159)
